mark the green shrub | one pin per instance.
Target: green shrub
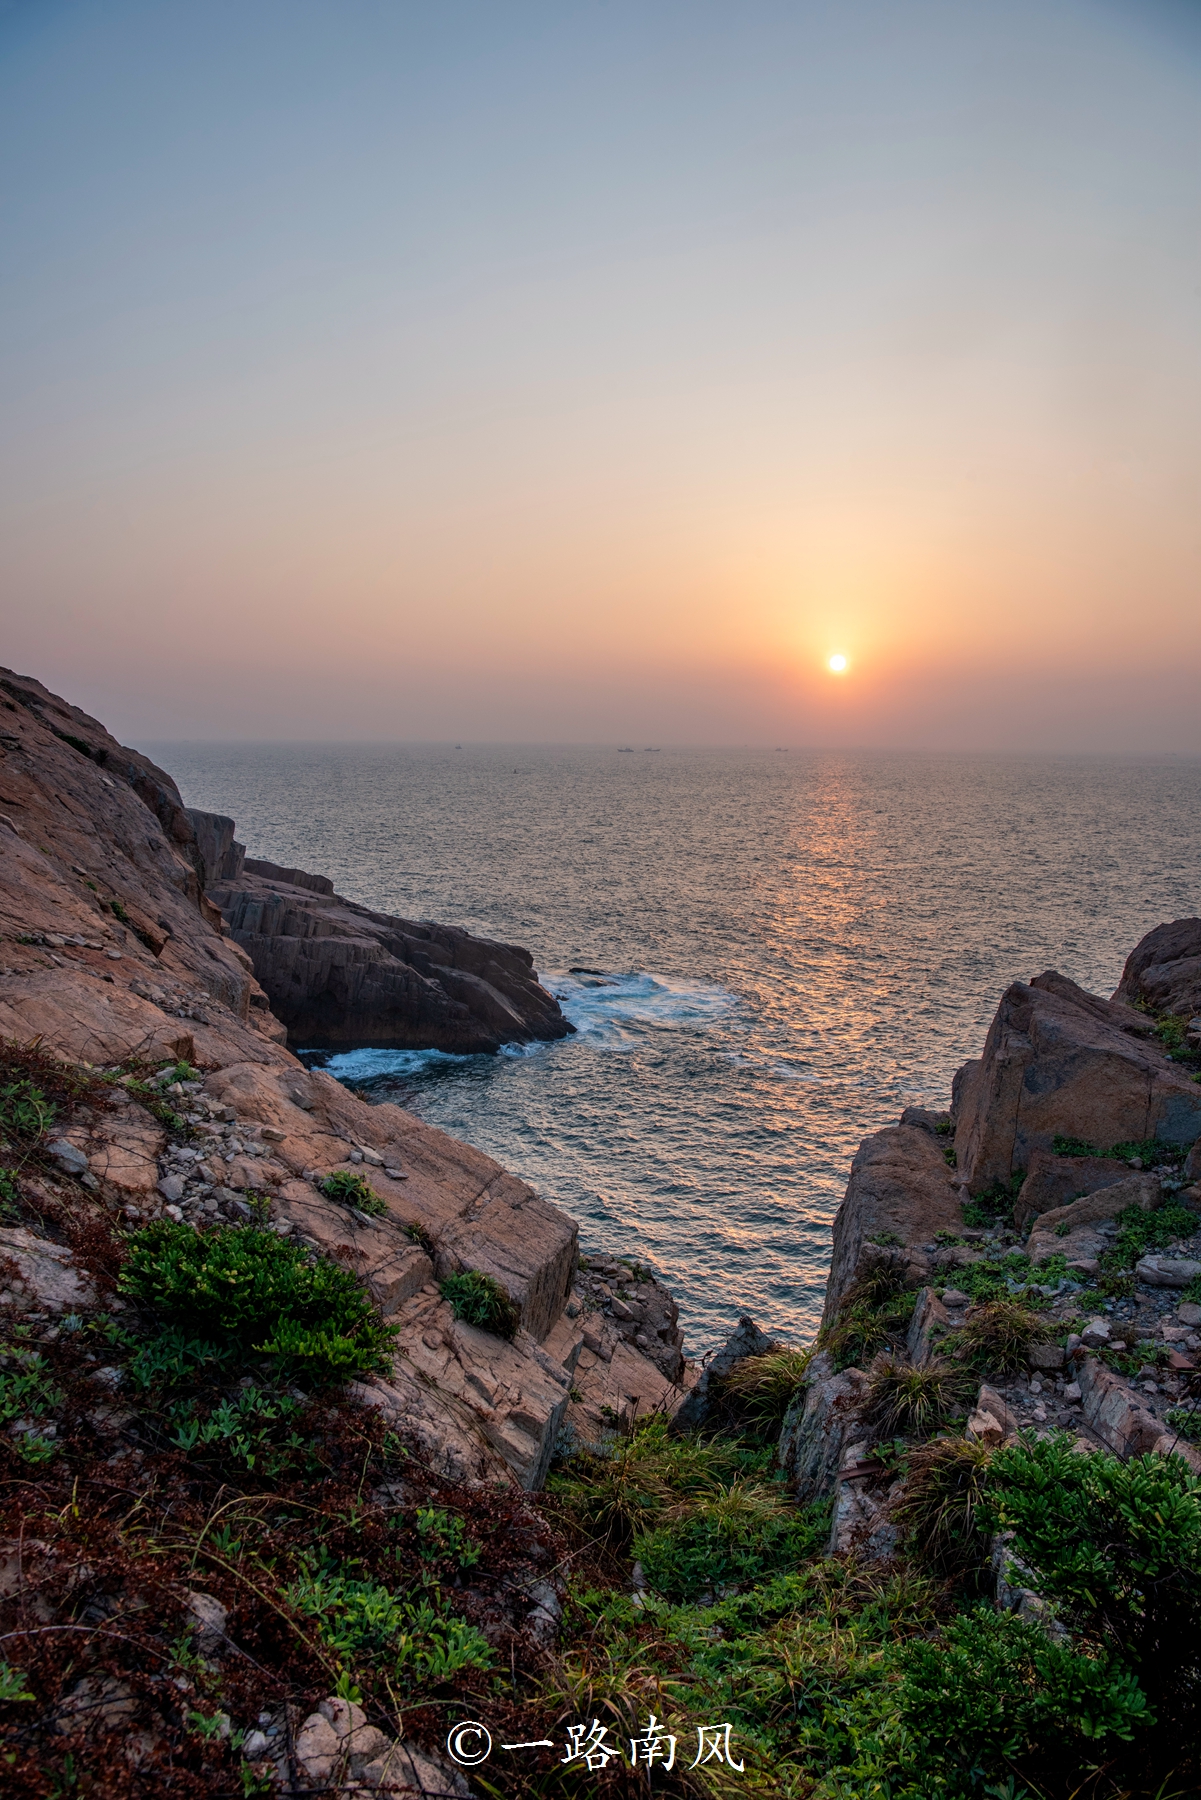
(416, 1232)
(365, 1622)
(1118, 1545)
(997, 1688)
(353, 1190)
(1140, 1232)
(480, 1300)
(174, 1356)
(904, 1400)
(740, 1537)
(261, 1294)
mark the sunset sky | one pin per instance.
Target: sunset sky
(549, 370)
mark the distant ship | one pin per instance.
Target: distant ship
(625, 750)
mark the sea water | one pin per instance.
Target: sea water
(766, 955)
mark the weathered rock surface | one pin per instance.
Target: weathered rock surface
(1058, 1060)
(339, 975)
(1066, 1229)
(815, 1431)
(1116, 1412)
(930, 1322)
(900, 1186)
(1054, 1181)
(745, 1340)
(1163, 971)
(109, 951)
(1167, 1271)
(38, 1275)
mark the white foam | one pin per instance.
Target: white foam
(362, 1065)
(602, 1004)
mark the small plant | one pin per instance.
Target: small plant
(908, 1401)
(760, 1389)
(480, 1300)
(996, 1336)
(25, 1110)
(1074, 1146)
(10, 1194)
(875, 1309)
(443, 1538)
(353, 1190)
(118, 911)
(885, 1239)
(1186, 1421)
(28, 1393)
(940, 1506)
(12, 1685)
(950, 1157)
(260, 1293)
(417, 1233)
(742, 1534)
(365, 1622)
(993, 1206)
(254, 1429)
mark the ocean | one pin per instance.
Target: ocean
(766, 954)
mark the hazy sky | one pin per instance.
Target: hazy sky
(596, 371)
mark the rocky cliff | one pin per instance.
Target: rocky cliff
(340, 976)
(114, 956)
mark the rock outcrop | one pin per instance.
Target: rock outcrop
(1061, 1062)
(901, 1191)
(1164, 970)
(110, 953)
(340, 976)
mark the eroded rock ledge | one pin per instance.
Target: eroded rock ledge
(340, 976)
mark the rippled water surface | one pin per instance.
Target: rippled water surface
(785, 950)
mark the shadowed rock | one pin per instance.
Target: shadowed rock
(1164, 970)
(340, 976)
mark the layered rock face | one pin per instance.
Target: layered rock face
(340, 976)
(110, 953)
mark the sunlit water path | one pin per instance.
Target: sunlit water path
(786, 950)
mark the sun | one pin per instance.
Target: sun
(837, 664)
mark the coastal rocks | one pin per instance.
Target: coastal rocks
(814, 1432)
(1163, 971)
(1053, 1182)
(992, 1421)
(1066, 1229)
(39, 1276)
(1167, 1271)
(745, 1340)
(1060, 1061)
(341, 976)
(1115, 1412)
(641, 1308)
(900, 1189)
(930, 1322)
